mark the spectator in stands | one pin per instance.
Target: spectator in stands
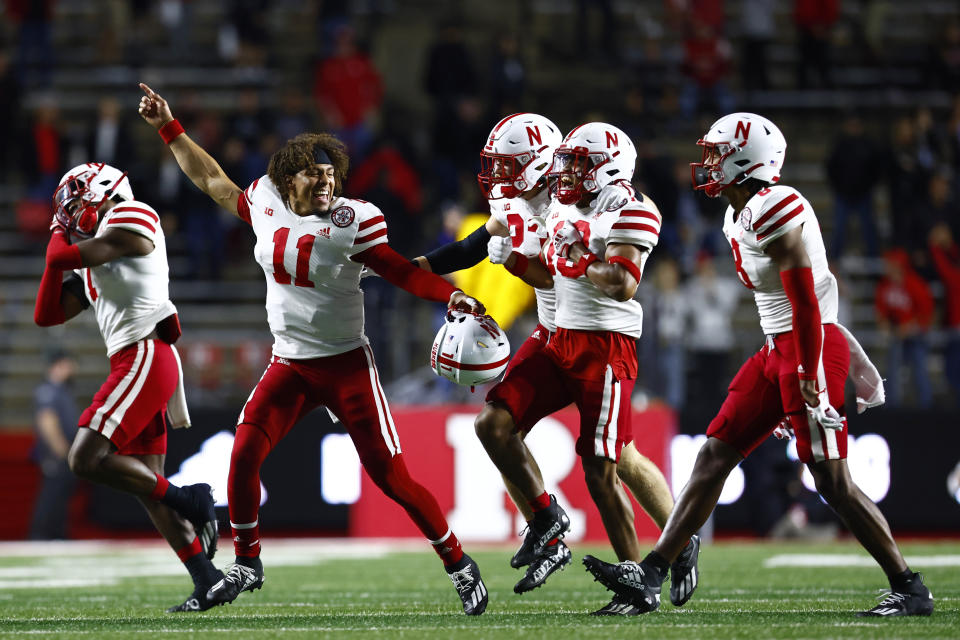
(946, 258)
(55, 424)
(904, 306)
(907, 173)
(451, 81)
(853, 173)
(814, 20)
(953, 133)
(508, 76)
(109, 139)
(9, 113)
(294, 116)
(386, 177)
(42, 149)
(244, 36)
(710, 337)
(348, 91)
(938, 205)
(944, 65)
(602, 38)
(706, 63)
(758, 29)
(670, 313)
(251, 120)
(35, 50)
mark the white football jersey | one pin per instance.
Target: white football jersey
(130, 295)
(580, 303)
(314, 302)
(768, 215)
(515, 214)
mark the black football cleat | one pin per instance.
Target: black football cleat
(239, 578)
(554, 558)
(619, 606)
(547, 525)
(203, 517)
(684, 573)
(465, 576)
(636, 583)
(916, 600)
(197, 601)
(524, 554)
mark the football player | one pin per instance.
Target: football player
(514, 165)
(312, 244)
(800, 371)
(591, 358)
(112, 249)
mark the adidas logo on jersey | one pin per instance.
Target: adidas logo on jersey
(324, 233)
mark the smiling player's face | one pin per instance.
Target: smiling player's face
(311, 190)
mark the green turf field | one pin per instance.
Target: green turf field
(351, 590)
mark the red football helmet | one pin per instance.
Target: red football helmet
(81, 192)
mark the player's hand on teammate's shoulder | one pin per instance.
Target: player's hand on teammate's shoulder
(613, 196)
(153, 108)
(462, 302)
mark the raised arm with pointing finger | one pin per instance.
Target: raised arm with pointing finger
(196, 163)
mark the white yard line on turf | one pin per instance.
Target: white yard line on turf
(852, 560)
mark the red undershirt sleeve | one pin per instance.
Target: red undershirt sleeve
(61, 254)
(48, 310)
(399, 271)
(807, 329)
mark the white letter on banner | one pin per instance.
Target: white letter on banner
(480, 511)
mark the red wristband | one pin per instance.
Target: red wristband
(519, 266)
(170, 130)
(627, 264)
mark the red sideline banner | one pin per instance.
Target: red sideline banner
(443, 453)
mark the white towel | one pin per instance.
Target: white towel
(177, 414)
(866, 379)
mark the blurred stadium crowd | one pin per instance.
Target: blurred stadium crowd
(867, 93)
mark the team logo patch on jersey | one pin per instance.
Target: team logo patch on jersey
(616, 205)
(746, 217)
(342, 216)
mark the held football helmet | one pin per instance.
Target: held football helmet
(469, 349)
(517, 155)
(737, 147)
(82, 190)
(591, 156)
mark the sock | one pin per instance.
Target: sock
(540, 503)
(901, 581)
(251, 561)
(201, 569)
(659, 563)
(448, 548)
(246, 539)
(173, 496)
(160, 489)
